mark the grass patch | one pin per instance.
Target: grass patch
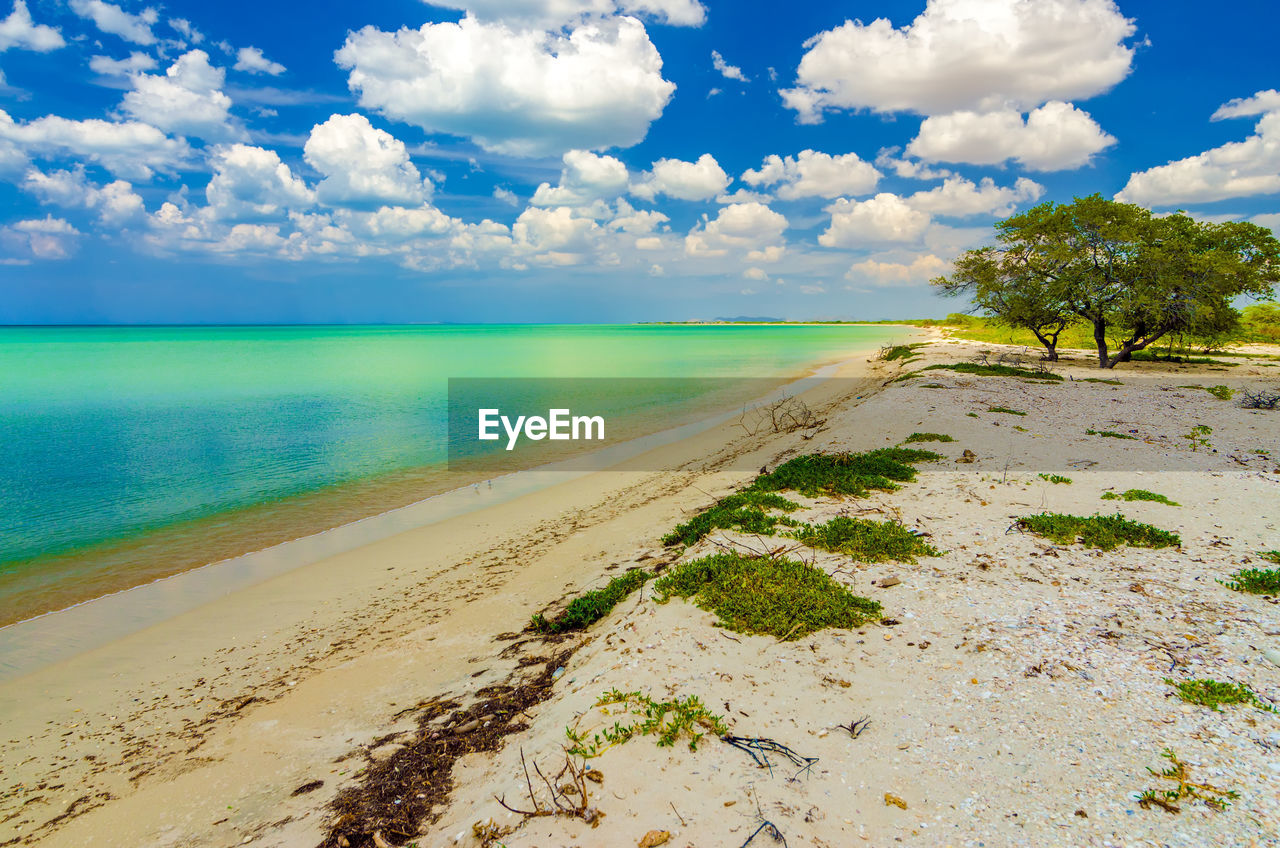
(1055, 478)
(668, 720)
(927, 437)
(1255, 581)
(1106, 532)
(1214, 693)
(894, 352)
(1167, 799)
(1270, 556)
(587, 609)
(864, 540)
(1152, 356)
(762, 595)
(1099, 380)
(972, 414)
(1139, 495)
(996, 371)
(1109, 434)
(1006, 410)
(845, 474)
(744, 511)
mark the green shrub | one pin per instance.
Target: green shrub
(1006, 410)
(587, 609)
(668, 720)
(996, 371)
(779, 597)
(889, 354)
(1139, 495)
(1109, 434)
(864, 540)
(1255, 581)
(845, 474)
(1099, 380)
(1214, 693)
(1098, 531)
(743, 511)
(1055, 478)
(926, 437)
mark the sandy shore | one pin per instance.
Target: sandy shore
(1018, 700)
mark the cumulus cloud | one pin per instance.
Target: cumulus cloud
(136, 63)
(701, 180)
(726, 70)
(1236, 169)
(251, 182)
(129, 149)
(110, 18)
(919, 270)
(908, 169)
(1055, 137)
(19, 30)
(251, 60)
(959, 198)
(362, 166)
(116, 202)
(814, 174)
(962, 54)
(883, 218)
(183, 27)
(39, 238)
(674, 12)
(557, 13)
(187, 99)
(738, 226)
(514, 91)
(586, 178)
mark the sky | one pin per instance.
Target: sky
(592, 160)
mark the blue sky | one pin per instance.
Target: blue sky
(591, 160)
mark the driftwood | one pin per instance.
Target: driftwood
(759, 749)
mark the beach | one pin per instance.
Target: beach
(1018, 697)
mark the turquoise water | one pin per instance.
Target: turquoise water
(113, 433)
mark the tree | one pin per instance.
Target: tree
(1126, 272)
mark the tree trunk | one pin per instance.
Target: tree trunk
(1100, 339)
(1050, 345)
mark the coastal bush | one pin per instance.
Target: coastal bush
(1055, 478)
(668, 720)
(995, 371)
(587, 609)
(845, 474)
(1255, 581)
(1270, 556)
(1006, 410)
(1108, 434)
(780, 597)
(864, 540)
(1139, 495)
(926, 437)
(1099, 380)
(744, 511)
(1106, 532)
(1214, 693)
(889, 353)
(1221, 392)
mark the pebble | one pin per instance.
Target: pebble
(1272, 655)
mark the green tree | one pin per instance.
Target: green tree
(1134, 277)
(1262, 322)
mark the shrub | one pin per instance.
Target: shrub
(1108, 434)
(892, 352)
(926, 437)
(779, 597)
(996, 371)
(1055, 478)
(1106, 532)
(1139, 495)
(744, 511)
(668, 720)
(587, 609)
(1006, 410)
(867, 541)
(845, 474)
(1255, 581)
(1214, 693)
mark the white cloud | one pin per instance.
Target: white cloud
(129, 149)
(19, 30)
(40, 238)
(966, 54)
(136, 63)
(251, 60)
(674, 12)
(554, 231)
(505, 195)
(814, 174)
(585, 179)
(728, 71)
(884, 218)
(959, 198)
(919, 270)
(112, 19)
(906, 168)
(701, 180)
(115, 202)
(362, 166)
(754, 273)
(636, 222)
(1236, 169)
(183, 27)
(739, 226)
(518, 92)
(1055, 137)
(251, 182)
(186, 100)
(557, 13)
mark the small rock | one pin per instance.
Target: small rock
(891, 800)
(654, 837)
(889, 581)
(1272, 655)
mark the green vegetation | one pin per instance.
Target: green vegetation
(1055, 478)
(1255, 581)
(972, 414)
(1261, 323)
(894, 352)
(587, 609)
(744, 511)
(926, 437)
(1106, 532)
(668, 720)
(1199, 436)
(1221, 392)
(1131, 277)
(1100, 380)
(1214, 693)
(1108, 434)
(864, 540)
(1177, 772)
(995, 371)
(1006, 410)
(1138, 495)
(779, 597)
(1270, 556)
(845, 474)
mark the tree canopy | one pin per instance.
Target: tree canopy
(1133, 276)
